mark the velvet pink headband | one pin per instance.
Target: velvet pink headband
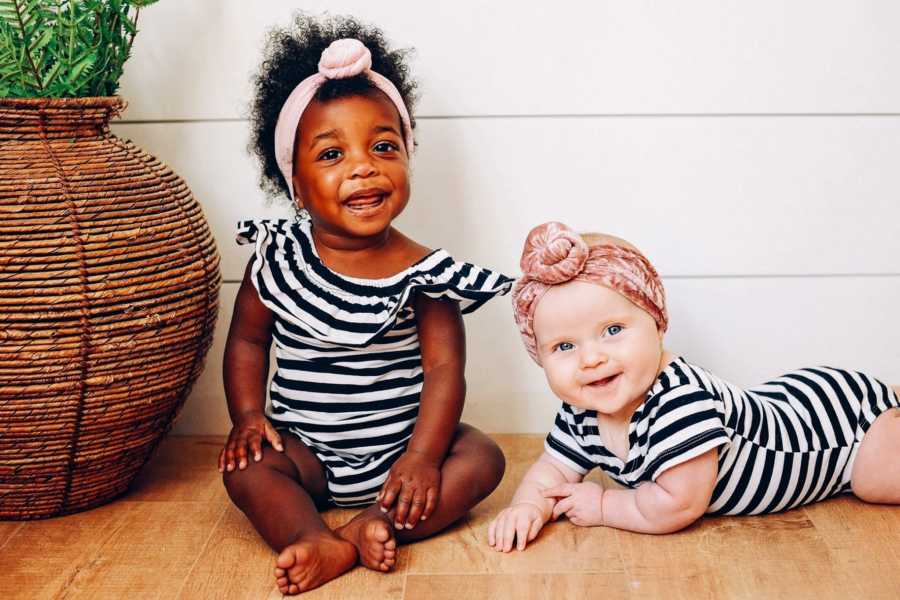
(343, 59)
(554, 254)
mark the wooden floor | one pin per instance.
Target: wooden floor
(176, 535)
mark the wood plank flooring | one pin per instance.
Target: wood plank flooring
(175, 535)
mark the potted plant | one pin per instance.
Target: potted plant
(109, 274)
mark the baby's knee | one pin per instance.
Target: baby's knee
(242, 483)
(235, 484)
(495, 462)
(871, 488)
(875, 476)
(487, 463)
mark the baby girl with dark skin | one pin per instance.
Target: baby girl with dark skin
(370, 347)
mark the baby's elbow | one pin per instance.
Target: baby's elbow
(680, 520)
(677, 516)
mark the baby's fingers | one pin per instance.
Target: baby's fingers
(222, 461)
(274, 437)
(535, 528)
(509, 532)
(499, 527)
(431, 498)
(562, 507)
(415, 509)
(491, 529)
(404, 500)
(558, 491)
(254, 440)
(495, 532)
(229, 454)
(389, 493)
(522, 528)
(240, 450)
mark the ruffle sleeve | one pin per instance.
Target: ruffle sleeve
(294, 283)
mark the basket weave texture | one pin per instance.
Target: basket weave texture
(109, 282)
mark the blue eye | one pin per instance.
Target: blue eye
(330, 154)
(614, 329)
(564, 346)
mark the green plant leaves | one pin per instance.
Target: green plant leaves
(65, 48)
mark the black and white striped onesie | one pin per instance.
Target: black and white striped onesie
(349, 368)
(782, 444)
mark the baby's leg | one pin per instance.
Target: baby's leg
(876, 471)
(473, 468)
(277, 495)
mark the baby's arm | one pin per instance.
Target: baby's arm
(245, 371)
(677, 498)
(529, 510)
(414, 480)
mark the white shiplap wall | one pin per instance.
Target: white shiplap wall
(746, 147)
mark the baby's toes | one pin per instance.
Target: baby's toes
(380, 533)
(281, 580)
(285, 561)
(375, 555)
(295, 574)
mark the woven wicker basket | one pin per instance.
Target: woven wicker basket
(109, 280)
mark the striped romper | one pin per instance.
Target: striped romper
(782, 444)
(348, 365)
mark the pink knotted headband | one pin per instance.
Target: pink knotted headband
(342, 59)
(554, 254)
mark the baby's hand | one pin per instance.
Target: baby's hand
(414, 482)
(581, 502)
(520, 522)
(246, 436)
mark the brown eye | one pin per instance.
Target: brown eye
(386, 147)
(330, 154)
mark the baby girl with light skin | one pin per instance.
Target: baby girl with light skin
(592, 312)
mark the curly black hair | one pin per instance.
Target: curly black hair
(290, 56)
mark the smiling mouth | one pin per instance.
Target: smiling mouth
(363, 204)
(605, 381)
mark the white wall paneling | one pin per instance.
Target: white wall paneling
(701, 196)
(193, 60)
(747, 147)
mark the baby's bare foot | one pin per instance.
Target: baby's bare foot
(311, 561)
(373, 535)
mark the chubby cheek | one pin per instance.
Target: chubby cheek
(561, 379)
(328, 185)
(648, 363)
(317, 192)
(400, 180)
